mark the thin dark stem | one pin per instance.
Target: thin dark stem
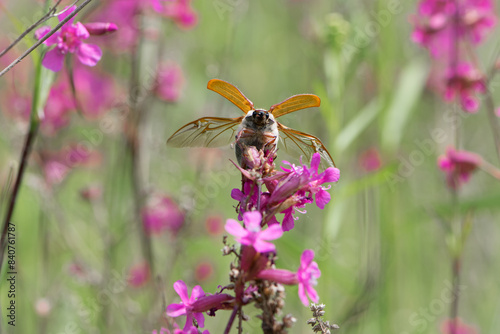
(44, 38)
(231, 319)
(28, 144)
(44, 18)
(240, 320)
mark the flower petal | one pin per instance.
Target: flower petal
(89, 54)
(42, 31)
(200, 319)
(263, 246)
(234, 228)
(302, 295)
(181, 289)
(81, 31)
(252, 220)
(196, 293)
(312, 293)
(175, 310)
(271, 233)
(322, 198)
(315, 160)
(306, 258)
(65, 13)
(53, 60)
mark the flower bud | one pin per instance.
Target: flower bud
(100, 28)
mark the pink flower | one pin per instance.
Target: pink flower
(138, 275)
(169, 82)
(100, 28)
(59, 105)
(437, 29)
(456, 326)
(203, 271)
(95, 91)
(465, 82)
(252, 234)
(162, 213)
(295, 190)
(57, 165)
(458, 166)
(69, 39)
(369, 160)
(478, 18)
(305, 277)
(185, 307)
(214, 225)
(178, 10)
(307, 274)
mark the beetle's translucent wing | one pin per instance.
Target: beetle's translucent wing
(206, 132)
(298, 144)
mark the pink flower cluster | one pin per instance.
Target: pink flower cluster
(162, 213)
(287, 191)
(447, 28)
(458, 166)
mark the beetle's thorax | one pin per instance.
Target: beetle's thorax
(258, 129)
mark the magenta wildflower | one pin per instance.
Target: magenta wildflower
(57, 165)
(185, 307)
(458, 166)
(178, 10)
(162, 213)
(69, 39)
(297, 188)
(369, 160)
(95, 91)
(252, 235)
(100, 28)
(437, 28)
(57, 110)
(169, 82)
(203, 271)
(307, 274)
(138, 275)
(305, 277)
(456, 326)
(214, 224)
(465, 82)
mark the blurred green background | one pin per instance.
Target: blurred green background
(383, 242)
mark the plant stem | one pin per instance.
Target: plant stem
(28, 144)
(231, 319)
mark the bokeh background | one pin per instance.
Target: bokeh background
(384, 243)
